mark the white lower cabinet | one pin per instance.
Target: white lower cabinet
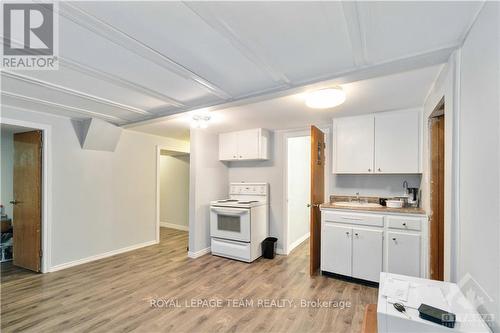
(403, 253)
(337, 255)
(354, 245)
(367, 251)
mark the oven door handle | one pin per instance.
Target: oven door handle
(229, 211)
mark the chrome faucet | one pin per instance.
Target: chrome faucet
(405, 187)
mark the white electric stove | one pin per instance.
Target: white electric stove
(238, 225)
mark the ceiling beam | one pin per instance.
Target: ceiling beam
(90, 22)
(111, 78)
(245, 47)
(421, 60)
(356, 29)
(45, 84)
(118, 81)
(86, 112)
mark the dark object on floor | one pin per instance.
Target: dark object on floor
(370, 319)
(269, 247)
(437, 316)
(382, 201)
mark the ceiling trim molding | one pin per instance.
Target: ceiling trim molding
(118, 81)
(99, 27)
(62, 106)
(435, 57)
(357, 32)
(45, 84)
(246, 48)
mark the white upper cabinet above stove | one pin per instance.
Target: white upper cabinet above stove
(379, 143)
(252, 144)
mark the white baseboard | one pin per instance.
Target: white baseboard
(279, 250)
(174, 226)
(198, 254)
(298, 242)
(100, 256)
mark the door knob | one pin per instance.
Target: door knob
(14, 202)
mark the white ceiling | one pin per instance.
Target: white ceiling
(392, 92)
(127, 62)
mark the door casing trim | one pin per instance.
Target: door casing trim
(46, 240)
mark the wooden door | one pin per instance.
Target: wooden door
(367, 251)
(437, 199)
(317, 196)
(27, 200)
(354, 144)
(336, 249)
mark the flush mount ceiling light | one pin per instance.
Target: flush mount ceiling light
(200, 120)
(325, 98)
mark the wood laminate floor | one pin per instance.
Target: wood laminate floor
(115, 295)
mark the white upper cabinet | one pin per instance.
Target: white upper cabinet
(380, 143)
(250, 144)
(397, 142)
(353, 144)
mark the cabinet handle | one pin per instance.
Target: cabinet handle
(404, 224)
(379, 170)
(394, 239)
(369, 170)
(356, 234)
(234, 156)
(241, 156)
(347, 233)
(352, 218)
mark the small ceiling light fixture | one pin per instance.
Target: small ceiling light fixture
(325, 98)
(200, 120)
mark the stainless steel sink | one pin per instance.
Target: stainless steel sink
(356, 204)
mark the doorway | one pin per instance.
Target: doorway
(173, 198)
(21, 198)
(298, 189)
(437, 189)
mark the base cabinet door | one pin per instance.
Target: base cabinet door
(403, 255)
(336, 249)
(367, 254)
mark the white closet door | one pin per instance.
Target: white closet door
(353, 144)
(336, 249)
(397, 142)
(248, 144)
(367, 254)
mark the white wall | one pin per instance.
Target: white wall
(479, 155)
(208, 181)
(174, 191)
(7, 168)
(372, 185)
(101, 201)
(298, 188)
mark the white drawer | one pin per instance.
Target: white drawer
(353, 218)
(404, 222)
(231, 249)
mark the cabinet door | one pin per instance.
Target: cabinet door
(228, 146)
(367, 254)
(403, 255)
(336, 249)
(353, 144)
(397, 138)
(248, 144)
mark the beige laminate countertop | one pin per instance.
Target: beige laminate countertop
(383, 209)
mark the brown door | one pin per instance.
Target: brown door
(437, 199)
(27, 199)
(317, 196)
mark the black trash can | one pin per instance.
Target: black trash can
(269, 247)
